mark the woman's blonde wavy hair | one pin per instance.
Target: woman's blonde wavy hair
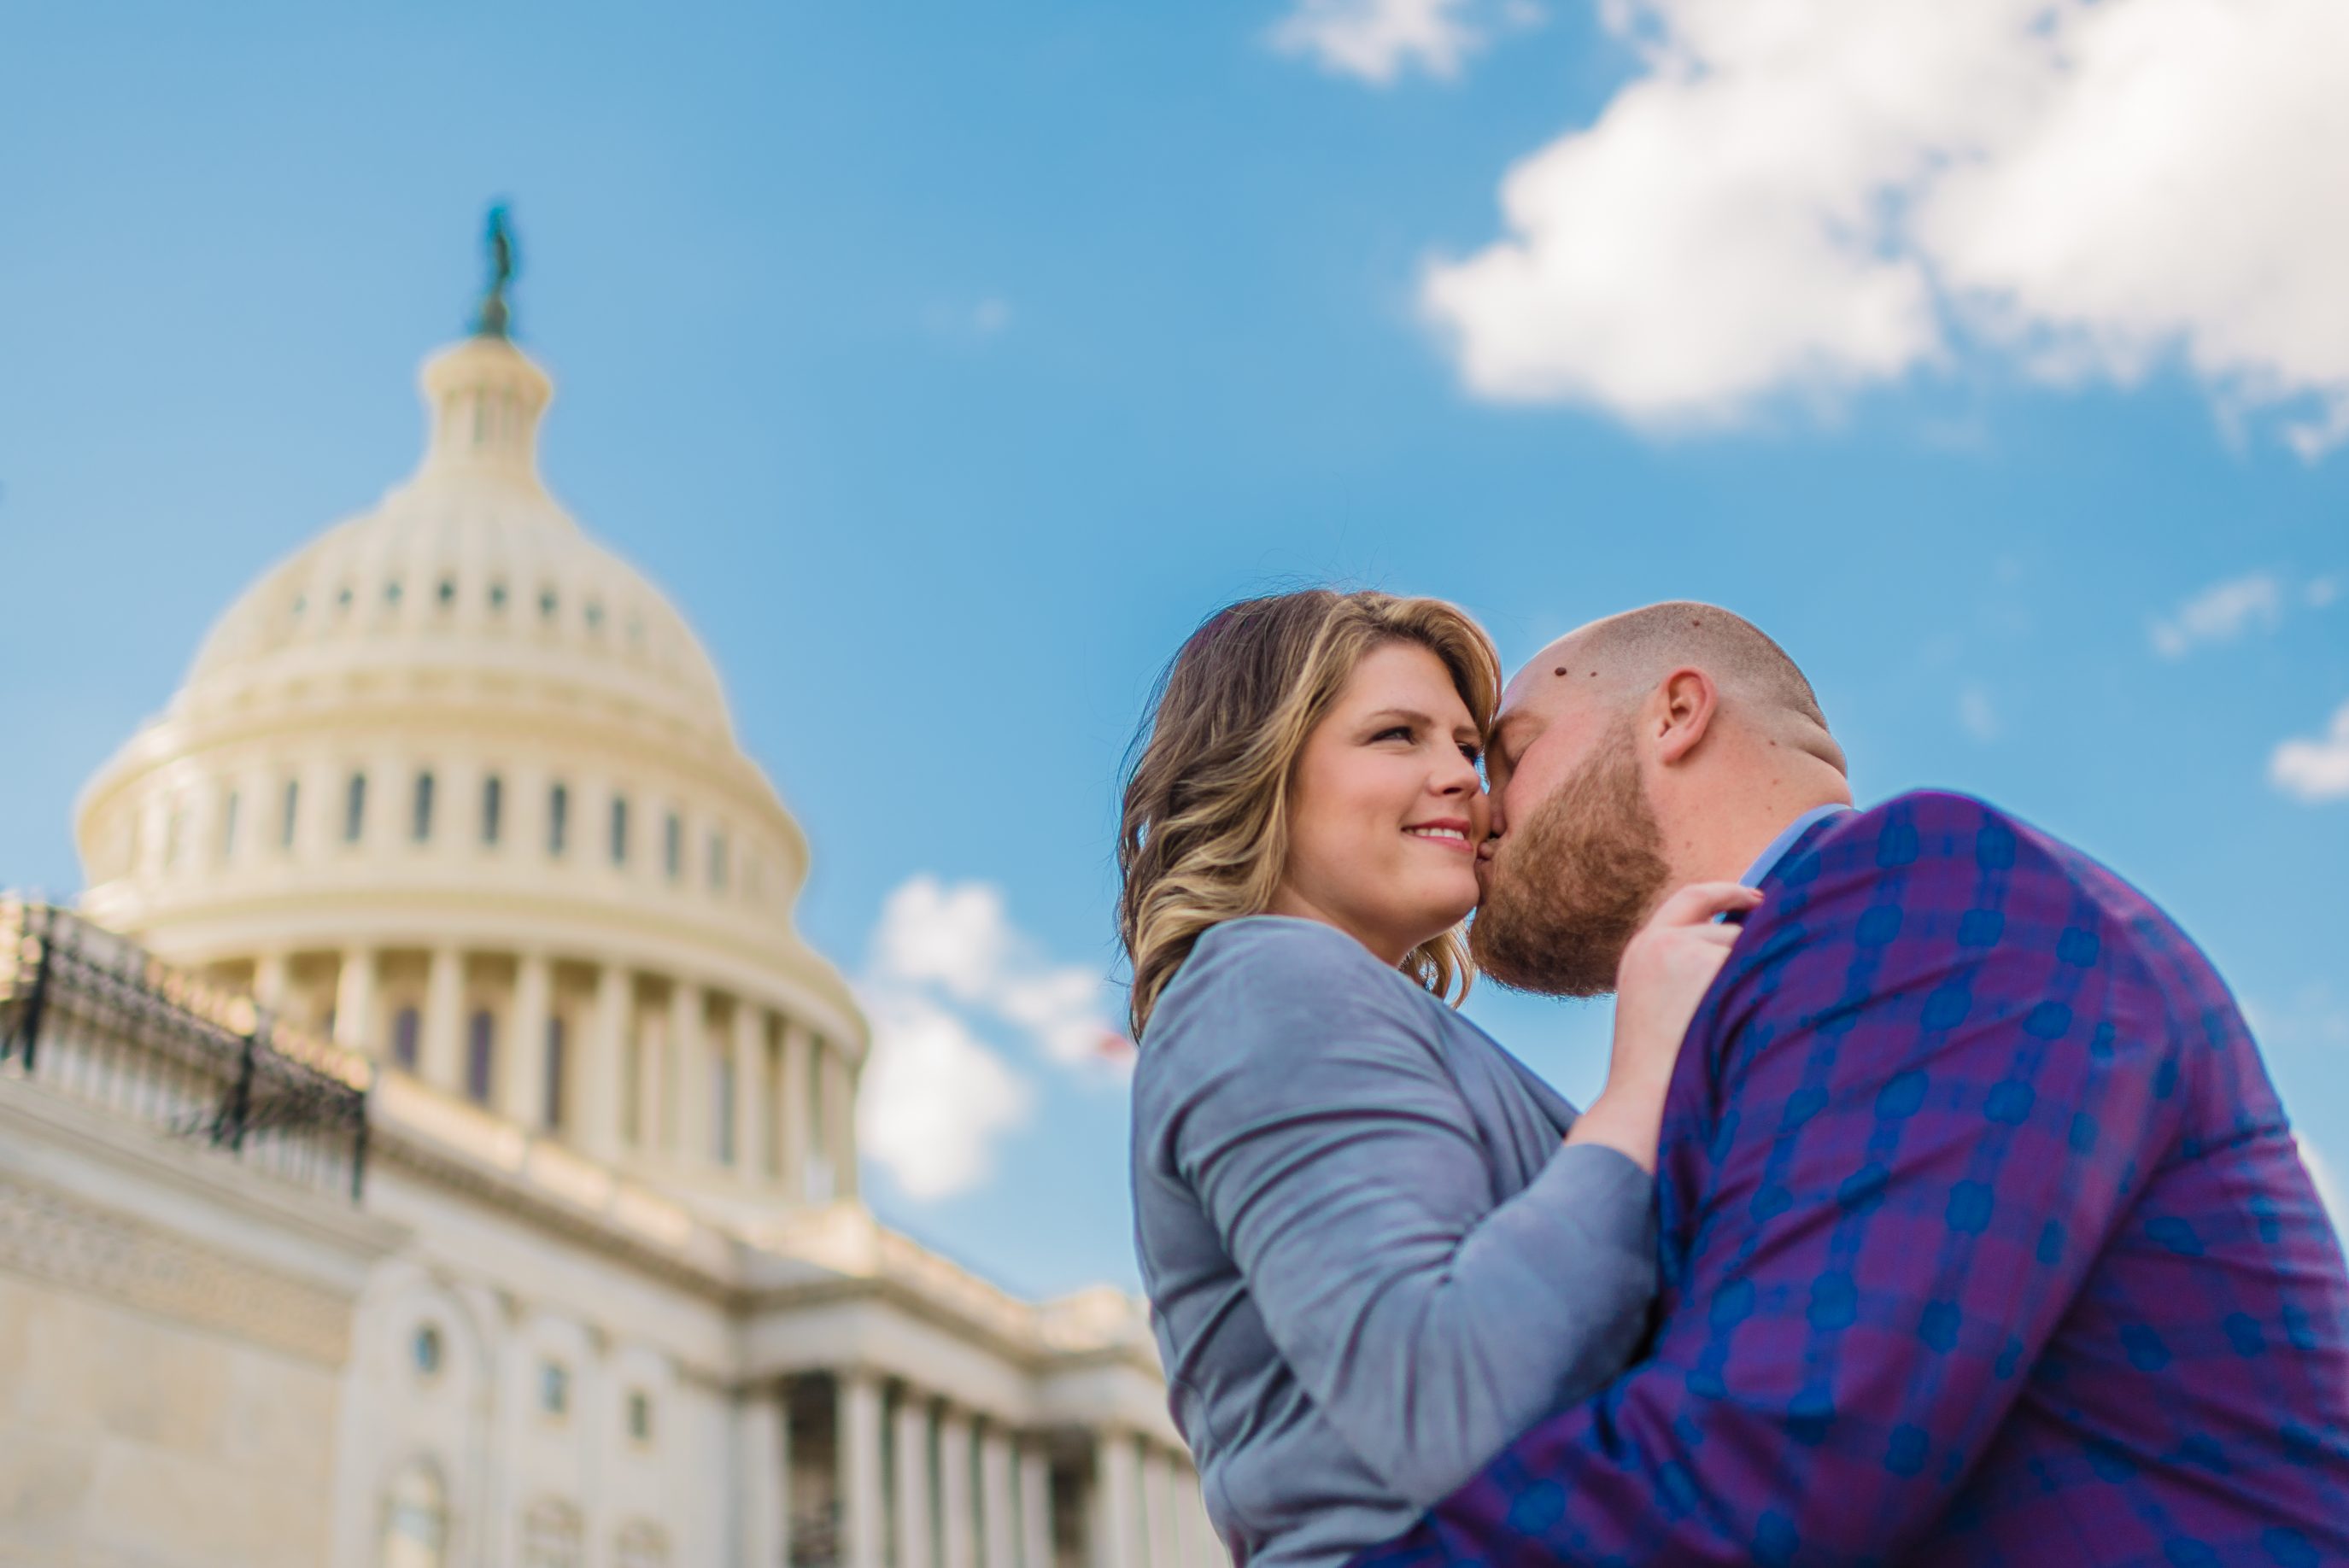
(1204, 833)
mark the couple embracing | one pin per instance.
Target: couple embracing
(1936, 1208)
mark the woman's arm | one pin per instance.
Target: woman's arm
(1302, 1097)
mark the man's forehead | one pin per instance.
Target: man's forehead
(1551, 683)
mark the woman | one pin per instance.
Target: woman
(1376, 1246)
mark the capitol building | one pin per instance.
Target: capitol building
(428, 1142)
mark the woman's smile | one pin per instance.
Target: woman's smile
(1449, 833)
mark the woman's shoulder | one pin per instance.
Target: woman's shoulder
(1270, 977)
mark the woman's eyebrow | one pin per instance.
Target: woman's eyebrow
(1407, 716)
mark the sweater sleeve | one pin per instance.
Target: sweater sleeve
(1304, 1098)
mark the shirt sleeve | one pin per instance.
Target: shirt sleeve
(1933, 1090)
(1309, 1109)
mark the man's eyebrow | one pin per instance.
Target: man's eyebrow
(1500, 741)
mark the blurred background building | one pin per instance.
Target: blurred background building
(431, 1143)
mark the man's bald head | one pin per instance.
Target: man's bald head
(1624, 657)
(1638, 754)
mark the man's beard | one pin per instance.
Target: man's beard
(1582, 874)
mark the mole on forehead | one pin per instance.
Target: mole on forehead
(1563, 670)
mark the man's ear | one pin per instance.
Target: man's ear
(1682, 712)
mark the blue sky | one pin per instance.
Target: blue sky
(948, 363)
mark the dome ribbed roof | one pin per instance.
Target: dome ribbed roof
(469, 566)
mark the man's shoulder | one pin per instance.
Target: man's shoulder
(1927, 830)
(1973, 868)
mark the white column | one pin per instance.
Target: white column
(1202, 1548)
(269, 980)
(913, 1479)
(840, 1121)
(652, 1084)
(1035, 1506)
(792, 1111)
(959, 1521)
(858, 1445)
(762, 1482)
(523, 1094)
(442, 1055)
(1159, 1482)
(602, 1059)
(997, 1512)
(1117, 1502)
(749, 1083)
(355, 1000)
(688, 1057)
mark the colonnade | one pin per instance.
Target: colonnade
(919, 1483)
(652, 1065)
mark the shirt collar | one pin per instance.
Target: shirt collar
(1767, 861)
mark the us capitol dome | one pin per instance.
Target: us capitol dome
(453, 792)
(457, 786)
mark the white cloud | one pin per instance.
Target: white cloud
(1377, 40)
(947, 969)
(1811, 195)
(2219, 614)
(2314, 771)
(1977, 713)
(976, 321)
(2323, 592)
(934, 1101)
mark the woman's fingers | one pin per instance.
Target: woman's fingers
(1700, 902)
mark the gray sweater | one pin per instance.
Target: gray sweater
(1372, 1262)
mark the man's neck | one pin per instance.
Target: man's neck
(1731, 852)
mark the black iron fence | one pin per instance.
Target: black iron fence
(95, 1016)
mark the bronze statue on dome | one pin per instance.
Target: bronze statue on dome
(496, 319)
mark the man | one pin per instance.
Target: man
(1984, 1238)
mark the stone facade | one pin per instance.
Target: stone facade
(457, 788)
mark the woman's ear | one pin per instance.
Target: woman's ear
(1684, 707)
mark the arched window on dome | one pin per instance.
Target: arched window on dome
(558, 818)
(228, 825)
(620, 830)
(354, 808)
(419, 824)
(673, 847)
(416, 1519)
(493, 800)
(290, 815)
(718, 860)
(481, 1054)
(407, 1038)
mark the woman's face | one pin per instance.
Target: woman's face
(1387, 810)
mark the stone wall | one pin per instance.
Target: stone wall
(173, 1335)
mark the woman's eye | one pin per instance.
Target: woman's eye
(1394, 732)
(1474, 755)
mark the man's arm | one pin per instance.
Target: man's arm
(1303, 1099)
(1933, 1075)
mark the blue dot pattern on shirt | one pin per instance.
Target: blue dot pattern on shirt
(1985, 1241)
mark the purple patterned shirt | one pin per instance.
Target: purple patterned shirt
(1984, 1240)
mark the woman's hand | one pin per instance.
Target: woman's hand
(1666, 969)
